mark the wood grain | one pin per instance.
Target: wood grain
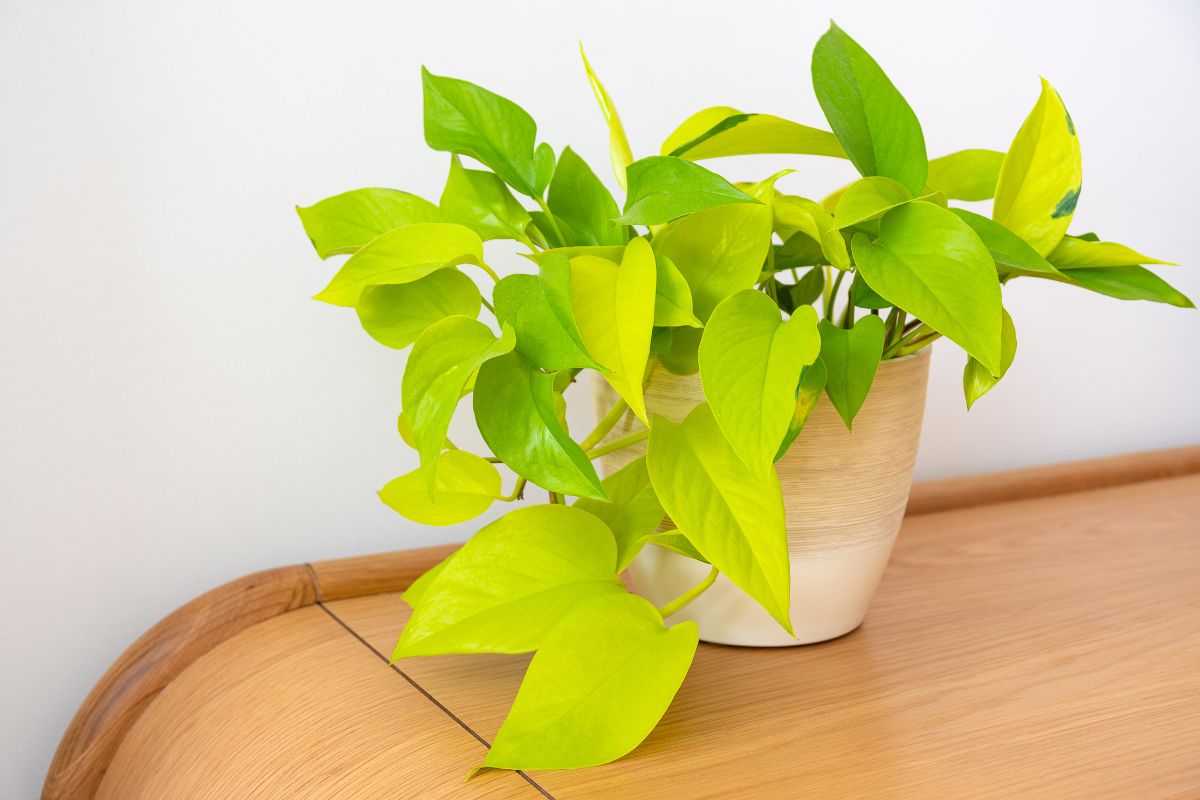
(383, 572)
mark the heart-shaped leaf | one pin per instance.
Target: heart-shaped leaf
(966, 174)
(466, 486)
(977, 380)
(663, 188)
(632, 510)
(346, 222)
(812, 386)
(851, 358)
(482, 202)
(512, 582)
(539, 309)
(396, 315)
(1011, 253)
(724, 131)
(581, 202)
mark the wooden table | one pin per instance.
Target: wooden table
(1037, 634)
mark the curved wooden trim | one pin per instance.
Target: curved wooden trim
(1073, 476)
(167, 649)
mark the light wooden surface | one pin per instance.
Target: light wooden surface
(1043, 648)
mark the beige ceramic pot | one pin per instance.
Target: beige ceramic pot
(844, 494)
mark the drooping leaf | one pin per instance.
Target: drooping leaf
(1041, 175)
(1011, 253)
(579, 199)
(461, 117)
(598, 685)
(750, 363)
(538, 307)
(614, 306)
(663, 188)
(875, 125)
(977, 380)
(466, 486)
(868, 198)
(676, 542)
(348, 221)
(673, 298)
(1128, 283)
(482, 202)
(799, 214)
(1073, 252)
(719, 251)
(678, 349)
(515, 411)
(851, 358)
(724, 131)
(966, 174)
(632, 510)
(442, 360)
(930, 263)
(512, 582)
(402, 255)
(732, 516)
(618, 144)
(395, 315)
(812, 385)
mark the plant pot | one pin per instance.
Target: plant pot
(844, 493)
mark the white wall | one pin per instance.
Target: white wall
(174, 411)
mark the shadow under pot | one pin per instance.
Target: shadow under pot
(844, 496)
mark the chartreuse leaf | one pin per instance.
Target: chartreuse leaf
(977, 380)
(441, 363)
(618, 144)
(1040, 178)
(466, 486)
(614, 306)
(402, 255)
(719, 251)
(875, 125)
(515, 411)
(723, 131)
(481, 201)
(851, 358)
(539, 309)
(512, 582)
(930, 263)
(676, 542)
(1011, 253)
(750, 362)
(1128, 283)
(966, 174)
(663, 188)
(395, 315)
(632, 510)
(732, 516)
(801, 215)
(461, 117)
(416, 590)
(1073, 252)
(581, 202)
(598, 685)
(869, 198)
(672, 297)
(345, 222)
(812, 385)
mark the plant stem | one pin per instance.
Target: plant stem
(691, 594)
(831, 299)
(618, 444)
(487, 305)
(551, 219)
(491, 274)
(555, 499)
(605, 425)
(518, 492)
(525, 240)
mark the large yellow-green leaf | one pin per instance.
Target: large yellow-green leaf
(930, 263)
(1073, 252)
(348, 221)
(966, 174)
(465, 488)
(1040, 178)
(731, 515)
(402, 255)
(632, 510)
(618, 143)
(512, 582)
(441, 363)
(724, 131)
(875, 125)
(851, 358)
(673, 298)
(582, 204)
(483, 203)
(394, 315)
(614, 307)
(663, 188)
(1128, 283)
(978, 380)
(808, 393)
(719, 251)
(801, 215)
(517, 415)
(1012, 254)
(750, 363)
(598, 685)
(539, 309)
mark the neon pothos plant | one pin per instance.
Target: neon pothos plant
(774, 298)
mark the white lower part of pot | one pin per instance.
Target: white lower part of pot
(830, 595)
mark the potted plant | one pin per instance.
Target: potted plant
(761, 361)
